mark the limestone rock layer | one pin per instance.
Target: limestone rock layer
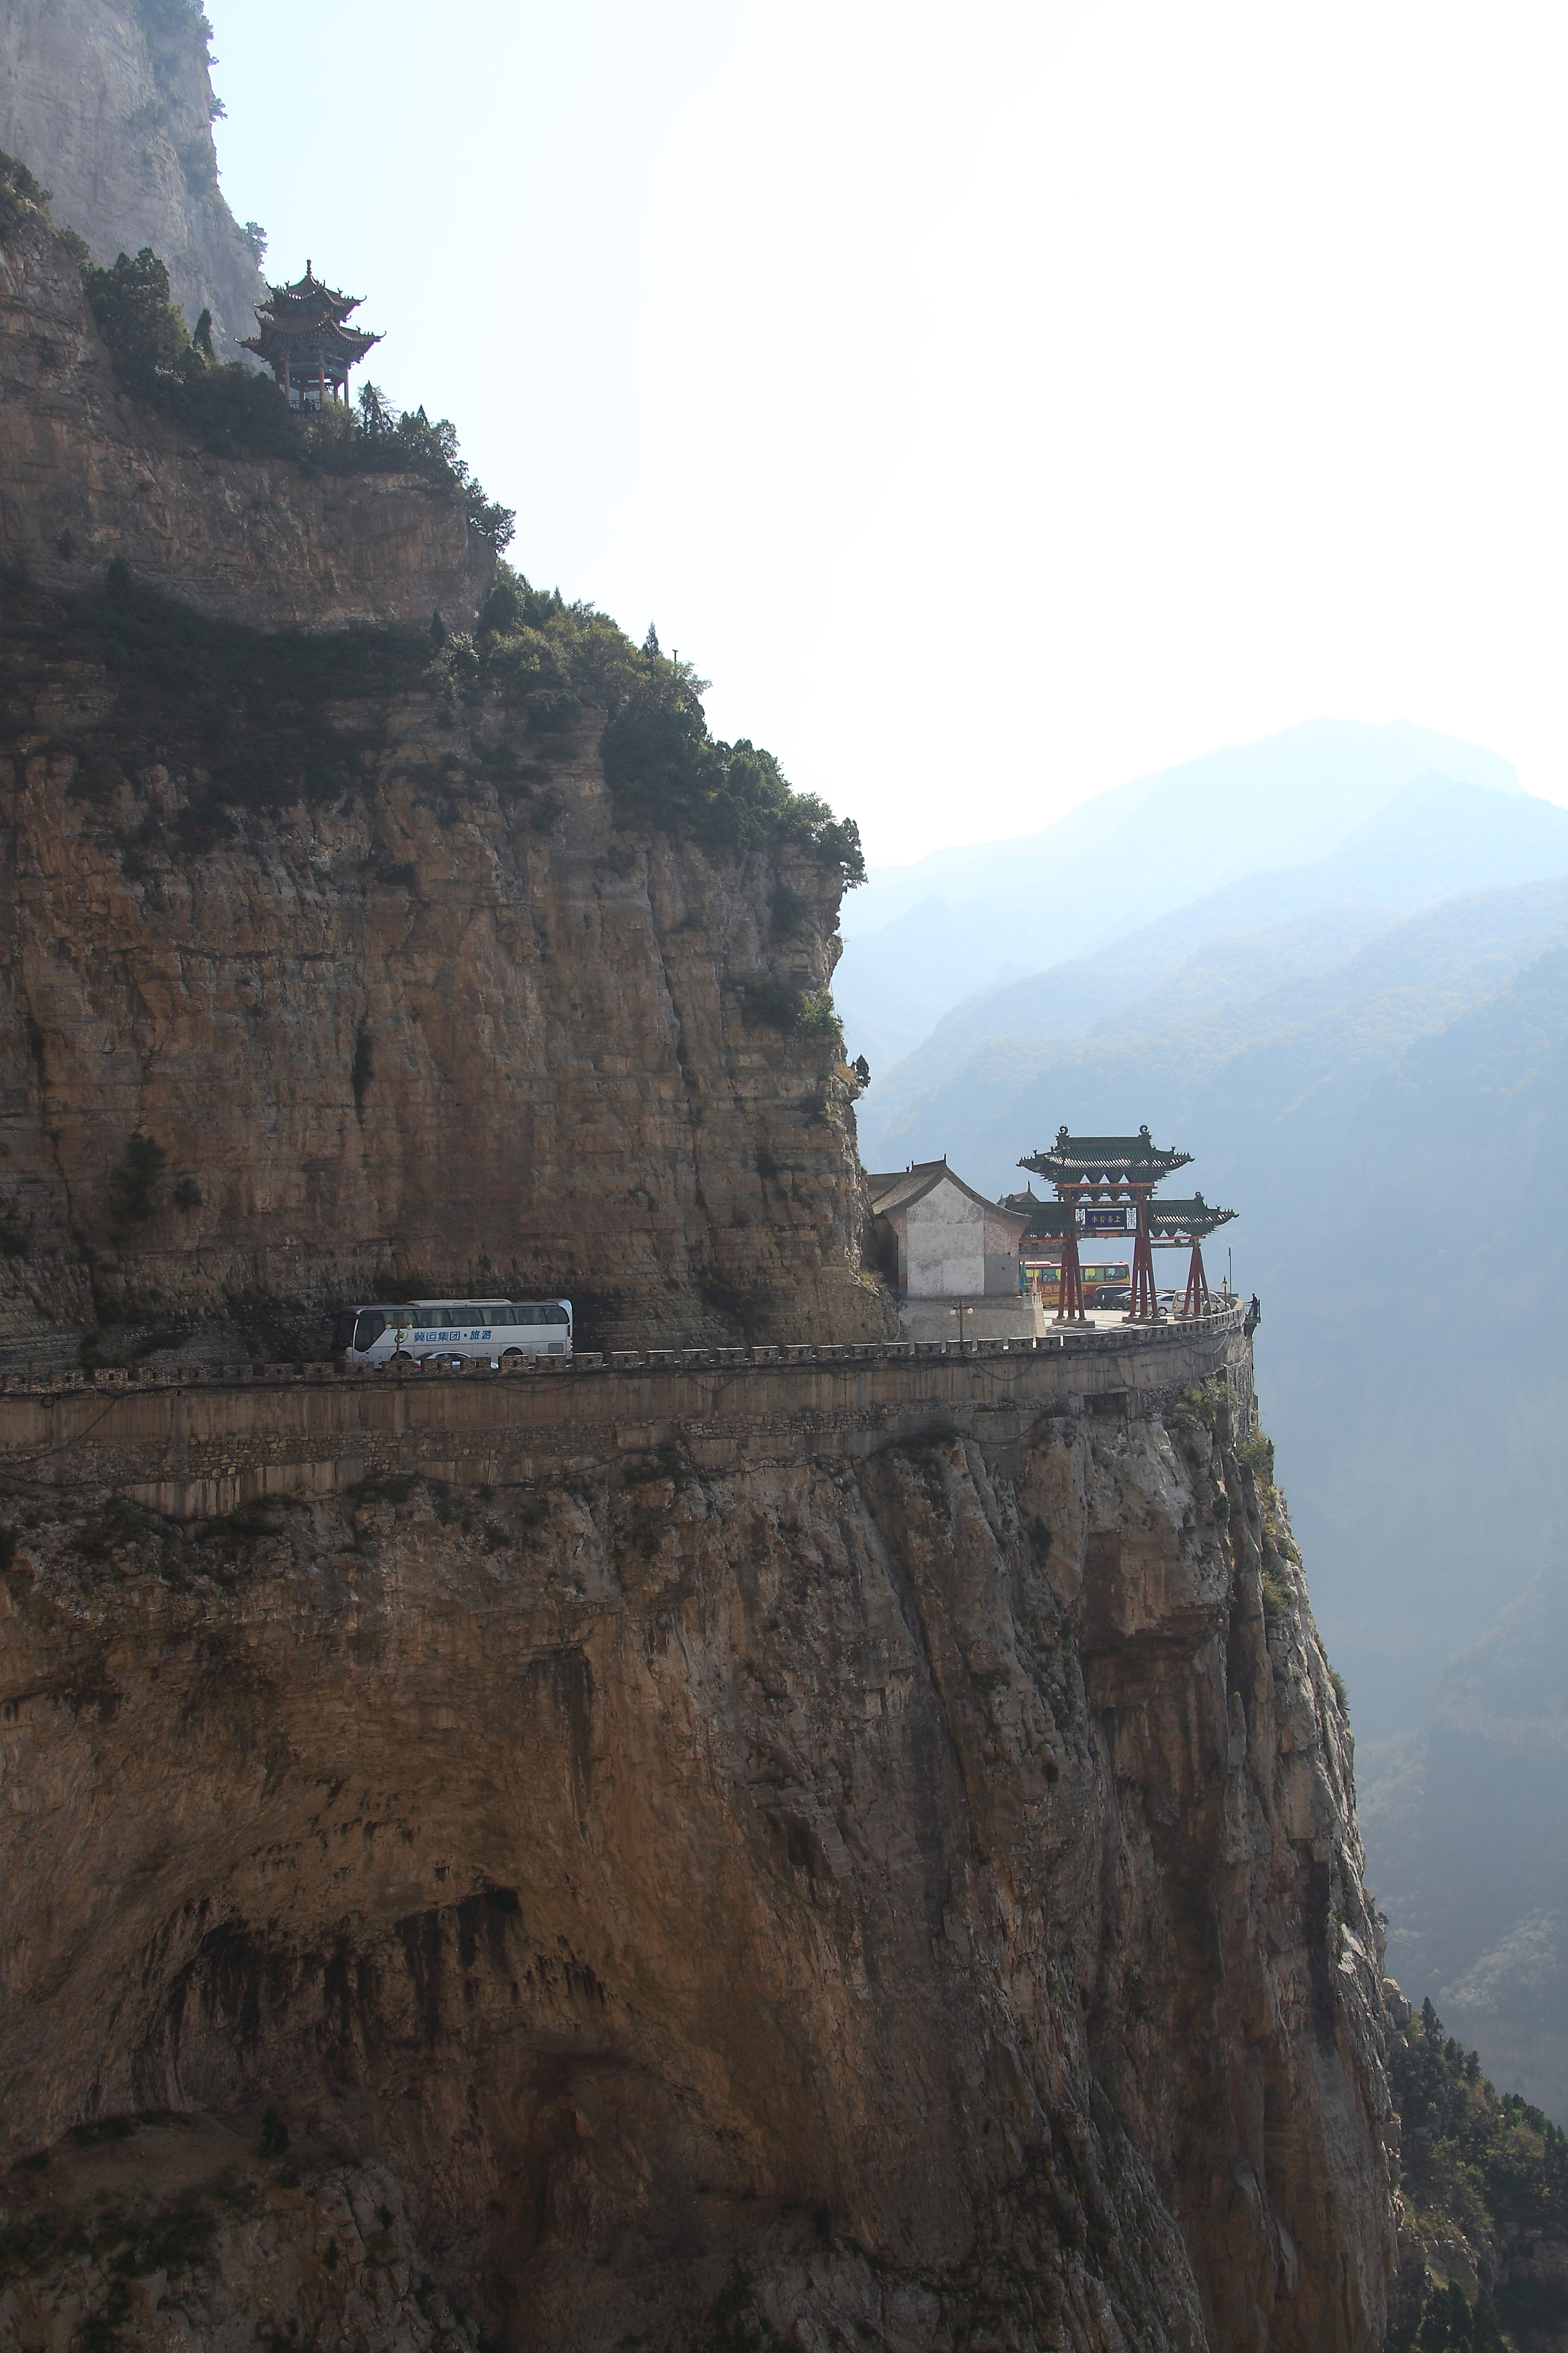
(914, 1901)
(448, 1028)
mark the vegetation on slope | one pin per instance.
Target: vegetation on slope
(663, 766)
(1485, 2182)
(249, 721)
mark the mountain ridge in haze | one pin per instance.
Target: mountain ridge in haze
(921, 938)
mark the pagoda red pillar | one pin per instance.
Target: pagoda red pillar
(1069, 1295)
(1144, 1308)
(1197, 1301)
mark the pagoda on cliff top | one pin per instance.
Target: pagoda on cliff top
(303, 340)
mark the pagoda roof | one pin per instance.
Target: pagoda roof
(1106, 1159)
(314, 294)
(308, 316)
(1193, 1221)
(318, 335)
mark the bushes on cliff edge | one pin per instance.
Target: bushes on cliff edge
(664, 768)
(791, 1011)
(21, 198)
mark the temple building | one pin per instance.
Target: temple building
(303, 339)
(951, 1255)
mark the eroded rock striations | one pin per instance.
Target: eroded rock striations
(913, 1898)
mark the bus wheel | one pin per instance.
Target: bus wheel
(512, 1355)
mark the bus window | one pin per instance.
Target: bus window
(344, 1331)
(369, 1328)
(554, 1315)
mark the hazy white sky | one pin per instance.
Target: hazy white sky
(994, 402)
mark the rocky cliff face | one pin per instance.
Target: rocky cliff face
(434, 1021)
(110, 104)
(88, 474)
(915, 1903)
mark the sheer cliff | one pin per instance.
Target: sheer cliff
(110, 104)
(907, 1897)
(405, 1004)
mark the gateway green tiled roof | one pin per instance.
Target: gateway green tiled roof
(1193, 1221)
(1113, 1159)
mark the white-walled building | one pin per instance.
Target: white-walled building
(943, 1243)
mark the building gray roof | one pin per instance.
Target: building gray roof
(900, 1188)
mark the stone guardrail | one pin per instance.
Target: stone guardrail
(199, 1447)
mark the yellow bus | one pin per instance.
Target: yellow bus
(1105, 1284)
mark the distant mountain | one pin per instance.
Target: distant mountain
(921, 938)
(1466, 1824)
(1178, 962)
(1285, 998)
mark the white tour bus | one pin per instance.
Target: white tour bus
(487, 1331)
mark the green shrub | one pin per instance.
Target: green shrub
(734, 1299)
(1256, 1456)
(20, 194)
(551, 710)
(774, 1005)
(130, 300)
(791, 915)
(1278, 1597)
(133, 1185)
(663, 767)
(1478, 2163)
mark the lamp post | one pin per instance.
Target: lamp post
(959, 1311)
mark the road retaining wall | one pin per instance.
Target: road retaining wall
(196, 1447)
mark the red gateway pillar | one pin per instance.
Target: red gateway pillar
(1070, 1298)
(1144, 1308)
(1197, 1301)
